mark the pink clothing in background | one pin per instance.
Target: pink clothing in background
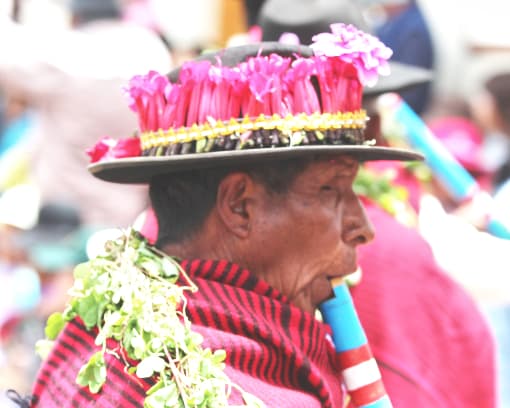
(433, 346)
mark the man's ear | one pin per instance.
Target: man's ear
(234, 202)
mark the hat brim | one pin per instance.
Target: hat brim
(140, 170)
(402, 76)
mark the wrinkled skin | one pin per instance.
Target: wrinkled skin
(296, 241)
(310, 234)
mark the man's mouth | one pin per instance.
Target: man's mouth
(345, 272)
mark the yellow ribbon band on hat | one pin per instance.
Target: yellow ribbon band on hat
(286, 125)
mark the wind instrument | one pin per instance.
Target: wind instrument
(360, 373)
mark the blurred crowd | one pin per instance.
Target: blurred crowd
(63, 65)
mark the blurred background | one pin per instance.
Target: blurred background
(62, 68)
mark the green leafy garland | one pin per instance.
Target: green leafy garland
(130, 294)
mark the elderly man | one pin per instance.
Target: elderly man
(250, 155)
(401, 279)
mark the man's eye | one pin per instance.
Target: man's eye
(331, 194)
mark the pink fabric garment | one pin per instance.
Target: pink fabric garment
(149, 227)
(433, 346)
(274, 350)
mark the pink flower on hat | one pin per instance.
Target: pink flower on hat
(303, 98)
(366, 52)
(147, 97)
(194, 77)
(265, 86)
(100, 149)
(108, 148)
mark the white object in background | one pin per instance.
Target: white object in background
(188, 24)
(97, 241)
(19, 206)
(477, 260)
(20, 290)
(501, 204)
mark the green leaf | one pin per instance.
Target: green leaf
(93, 374)
(88, 309)
(150, 365)
(151, 266)
(205, 367)
(84, 276)
(54, 325)
(69, 313)
(138, 344)
(82, 271)
(169, 269)
(160, 384)
(165, 397)
(219, 356)
(156, 344)
(43, 348)
(101, 308)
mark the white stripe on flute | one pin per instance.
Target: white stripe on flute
(361, 374)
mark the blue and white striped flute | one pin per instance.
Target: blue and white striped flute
(360, 373)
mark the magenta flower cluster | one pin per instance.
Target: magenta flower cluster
(262, 85)
(364, 51)
(344, 60)
(108, 148)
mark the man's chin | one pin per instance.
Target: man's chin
(324, 293)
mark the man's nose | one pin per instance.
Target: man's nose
(357, 227)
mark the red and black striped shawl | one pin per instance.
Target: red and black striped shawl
(274, 350)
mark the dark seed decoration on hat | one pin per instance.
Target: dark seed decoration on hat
(262, 139)
(260, 133)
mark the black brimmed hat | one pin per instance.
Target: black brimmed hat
(254, 103)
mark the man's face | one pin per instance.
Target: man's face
(309, 235)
